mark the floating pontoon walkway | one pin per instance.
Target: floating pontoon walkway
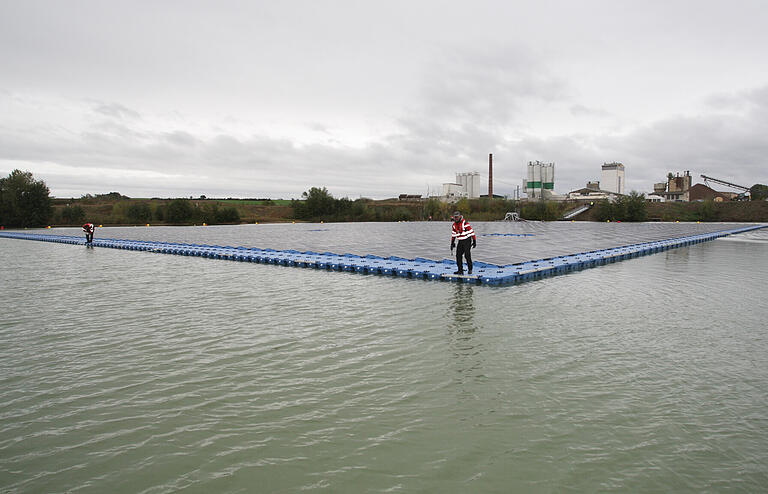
(487, 274)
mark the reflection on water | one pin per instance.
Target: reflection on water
(462, 310)
(464, 344)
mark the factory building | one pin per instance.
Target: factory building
(452, 192)
(676, 189)
(467, 185)
(612, 179)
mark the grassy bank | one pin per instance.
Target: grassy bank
(706, 211)
(124, 211)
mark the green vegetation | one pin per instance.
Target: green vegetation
(728, 211)
(543, 210)
(693, 211)
(260, 202)
(759, 192)
(125, 211)
(73, 214)
(319, 205)
(24, 201)
(625, 208)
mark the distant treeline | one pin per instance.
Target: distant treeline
(25, 202)
(179, 211)
(319, 205)
(119, 196)
(625, 208)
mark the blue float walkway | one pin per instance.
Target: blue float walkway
(487, 274)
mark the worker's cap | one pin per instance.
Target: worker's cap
(457, 215)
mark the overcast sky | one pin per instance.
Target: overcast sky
(378, 98)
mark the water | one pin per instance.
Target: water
(125, 371)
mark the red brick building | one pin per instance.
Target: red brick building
(701, 192)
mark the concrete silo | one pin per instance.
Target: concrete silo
(541, 179)
(471, 183)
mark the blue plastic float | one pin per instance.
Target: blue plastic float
(420, 268)
(507, 235)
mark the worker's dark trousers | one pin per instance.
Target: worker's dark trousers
(464, 248)
(89, 237)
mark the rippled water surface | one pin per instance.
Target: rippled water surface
(125, 371)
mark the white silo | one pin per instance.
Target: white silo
(473, 185)
(529, 183)
(541, 177)
(470, 181)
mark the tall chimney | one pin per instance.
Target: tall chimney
(490, 176)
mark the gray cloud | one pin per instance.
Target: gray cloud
(269, 99)
(727, 144)
(583, 111)
(487, 87)
(116, 111)
(423, 154)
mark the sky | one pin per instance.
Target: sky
(375, 99)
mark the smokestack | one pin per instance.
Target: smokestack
(490, 176)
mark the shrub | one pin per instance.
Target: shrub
(227, 215)
(72, 214)
(179, 211)
(139, 213)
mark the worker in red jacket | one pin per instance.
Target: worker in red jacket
(462, 231)
(89, 228)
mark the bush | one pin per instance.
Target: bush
(360, 211)
(227, 215)
(73, 214)
(320, 204)
(625, 208)
(159, 213)
(603, 210)
(636, 207)
(179, 211)
(139, 213)
(462, 205)
(435, 209)
(402, 214)
(758, 192)
(541, 210)
(705, 211)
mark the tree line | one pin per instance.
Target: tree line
(318, 204)
(136, 212)
(26, 203)
(632, 207)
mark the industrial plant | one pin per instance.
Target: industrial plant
(539, 184)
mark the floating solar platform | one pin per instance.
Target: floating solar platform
(419, 268)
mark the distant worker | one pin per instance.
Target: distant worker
(462, 231)
(89, 228)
